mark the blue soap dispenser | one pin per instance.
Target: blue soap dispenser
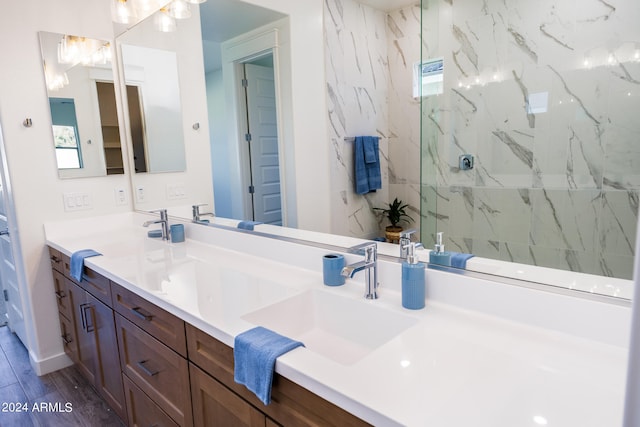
(438, 255)
(413, 284)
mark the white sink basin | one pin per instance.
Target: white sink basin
(339, 328)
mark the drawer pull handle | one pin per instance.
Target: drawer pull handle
(142, 314)
(60, 294)
(55, 259)
(146, 370)
(89, 327)
(66, 340)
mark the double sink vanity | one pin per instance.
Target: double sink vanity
(152, 326)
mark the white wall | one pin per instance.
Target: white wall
(186, 42)
(307, 99)
(37, 190)
(221, 167)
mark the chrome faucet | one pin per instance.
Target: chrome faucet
(196, 214)
(405, 240)
(369, 265)
(163, 221)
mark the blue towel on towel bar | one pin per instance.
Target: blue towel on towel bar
(248, 225)
(459, 260)
(77, 262)
(367, 164)
(254, 354)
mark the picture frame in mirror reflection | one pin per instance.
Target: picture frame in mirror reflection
(78, 72)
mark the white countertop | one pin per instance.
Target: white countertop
(452, 367)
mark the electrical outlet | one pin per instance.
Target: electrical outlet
(140, 194)
(121, 196)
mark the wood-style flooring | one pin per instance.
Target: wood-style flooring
(59, 399)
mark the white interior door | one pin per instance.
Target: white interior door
(9, 277)
(263, 144)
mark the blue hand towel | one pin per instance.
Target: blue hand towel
(254, 353)
(77, 262)
(367, 164)
(459, 260)
(248, 225)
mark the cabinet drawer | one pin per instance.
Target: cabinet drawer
(161, 324)
(160, 372)
(142, 411)
(63, 296)
(69, 338)
(291, 404)
(92, 282)
(56, 260)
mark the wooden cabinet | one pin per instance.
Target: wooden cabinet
(214, 405)
(156, 370)
(291, 404)
(143, 412)
(160, 324)
(97, 347)
(161, 373)
(87, 329)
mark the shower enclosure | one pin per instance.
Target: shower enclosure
(544, 97)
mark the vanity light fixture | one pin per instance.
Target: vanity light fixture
(179, 9)
(164, 22)
(123, 12)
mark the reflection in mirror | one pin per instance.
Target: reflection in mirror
(546, 101)
(153, 100)
(79, 78)
(379, 99)
(166, 108)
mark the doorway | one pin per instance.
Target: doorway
(261, 166)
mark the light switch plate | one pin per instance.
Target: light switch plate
(77, 201)
(140, 194)
(121, 196)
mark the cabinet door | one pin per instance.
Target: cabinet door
(86, 347)
(214, 405)
(142, 411)
(99, 322)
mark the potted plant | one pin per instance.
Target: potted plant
(395, 213)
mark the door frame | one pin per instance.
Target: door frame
(243, 125)
(235, 53)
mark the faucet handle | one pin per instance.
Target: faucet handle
(368, 249)
(162, 212)
(407, 233)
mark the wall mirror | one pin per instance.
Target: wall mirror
(544, 100)
(155, 111)
(79, 77)
(383, 37)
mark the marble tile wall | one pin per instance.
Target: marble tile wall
(368, 59)
(546, 96)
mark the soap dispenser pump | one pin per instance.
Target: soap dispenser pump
(438, 255)
(413, 283)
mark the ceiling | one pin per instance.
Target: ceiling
(224, 19)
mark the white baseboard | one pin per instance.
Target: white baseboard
(50, 364)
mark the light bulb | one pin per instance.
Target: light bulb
(164, 22)
(179, 9)
(122, 12)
